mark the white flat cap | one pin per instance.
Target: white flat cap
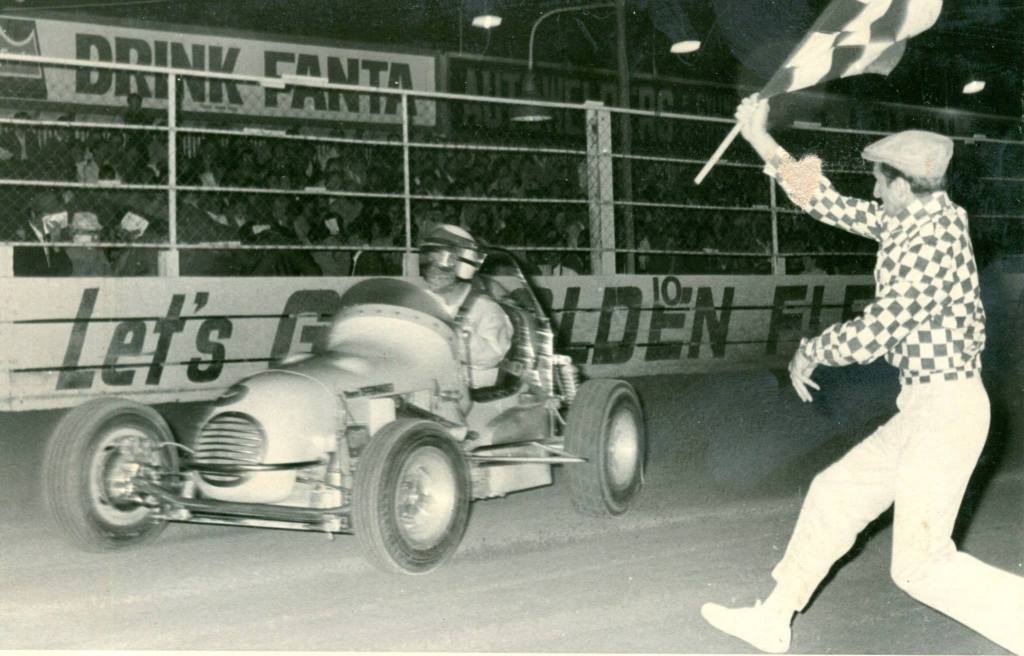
(915, 152)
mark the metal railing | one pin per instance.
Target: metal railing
(267, 192)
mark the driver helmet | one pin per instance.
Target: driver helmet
(451, 248)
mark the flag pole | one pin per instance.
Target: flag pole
(717, 155)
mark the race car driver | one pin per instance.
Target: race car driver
(449, 259)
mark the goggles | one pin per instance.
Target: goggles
(463, 261)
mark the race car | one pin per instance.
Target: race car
(379, 432)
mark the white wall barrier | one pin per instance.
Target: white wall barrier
(161, 340)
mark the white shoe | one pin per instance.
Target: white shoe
(753, 624)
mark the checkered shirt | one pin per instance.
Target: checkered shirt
(926, 318)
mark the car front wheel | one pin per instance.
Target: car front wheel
(93, 456)
(411, 497)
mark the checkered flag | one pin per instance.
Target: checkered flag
(852, 37)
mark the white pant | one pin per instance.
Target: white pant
(921, 461)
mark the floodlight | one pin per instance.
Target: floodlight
(685, 47)
(974, 86)
(486, 21)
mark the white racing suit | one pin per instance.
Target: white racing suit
(489, 332)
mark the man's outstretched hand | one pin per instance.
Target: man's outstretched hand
(752, 117)
(800, 369)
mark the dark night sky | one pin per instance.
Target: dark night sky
(980, 38)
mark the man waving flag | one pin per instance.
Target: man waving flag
(850, 37)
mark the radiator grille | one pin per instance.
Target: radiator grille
(229, 438)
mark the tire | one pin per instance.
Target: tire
(82, 462)
(411, 497)
(606, 427)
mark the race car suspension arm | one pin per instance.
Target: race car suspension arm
(248, 510)
(246, 468)
(559, 456)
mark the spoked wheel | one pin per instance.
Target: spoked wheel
(93, 456)
(606, 427)
(411, 497)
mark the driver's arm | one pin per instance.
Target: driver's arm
(490, 333)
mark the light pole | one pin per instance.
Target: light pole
(534, 113)
(628, 226)
(490, 21)
(561, 10)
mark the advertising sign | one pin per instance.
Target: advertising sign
(166, 339)
(213, 53)
(481, 76)
(501, 78)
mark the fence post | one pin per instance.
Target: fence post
(600, 189)
(625, 217)
(778, 261)
(167, 263)
(6, 261)
(410, 260)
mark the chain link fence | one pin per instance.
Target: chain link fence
(210, 174)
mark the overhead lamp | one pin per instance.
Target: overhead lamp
(530, 113)
(685, 47)
(974, 86)
(486, 21)
(535, 113)
(673, 21)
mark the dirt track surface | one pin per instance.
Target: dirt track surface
(729, 459)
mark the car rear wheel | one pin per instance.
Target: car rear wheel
(411, 497)
(606, 427)
(90, 462)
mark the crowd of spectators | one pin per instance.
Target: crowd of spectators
(322, 206)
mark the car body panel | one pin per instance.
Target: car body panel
(302, 407)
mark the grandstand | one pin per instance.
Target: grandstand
(304, 174)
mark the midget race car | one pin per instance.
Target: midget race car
(379, 433)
